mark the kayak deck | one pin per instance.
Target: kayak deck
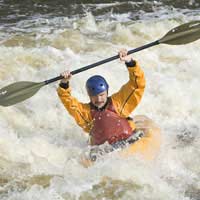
(147, 147)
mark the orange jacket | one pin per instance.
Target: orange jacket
(124, 101)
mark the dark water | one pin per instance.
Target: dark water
(14, 11)
(40, 145)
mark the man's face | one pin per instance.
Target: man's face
(100, 99)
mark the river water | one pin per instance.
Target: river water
(40, 144)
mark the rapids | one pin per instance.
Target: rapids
(41, 145)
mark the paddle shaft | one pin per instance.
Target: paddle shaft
(103, 61)
(20, 91)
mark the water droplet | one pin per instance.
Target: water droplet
(126, 132)
(3, 92)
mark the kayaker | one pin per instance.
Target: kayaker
(106, 118)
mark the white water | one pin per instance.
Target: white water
(40, 144)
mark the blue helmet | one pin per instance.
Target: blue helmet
(95, 85)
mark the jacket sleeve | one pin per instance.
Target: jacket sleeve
(130, 94)
(79, 111)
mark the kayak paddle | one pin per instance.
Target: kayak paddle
(20, 91)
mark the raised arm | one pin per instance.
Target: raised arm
(130, 94)
(79, 111)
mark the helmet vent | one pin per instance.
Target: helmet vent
(96, 84)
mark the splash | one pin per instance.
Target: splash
(41, 146)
